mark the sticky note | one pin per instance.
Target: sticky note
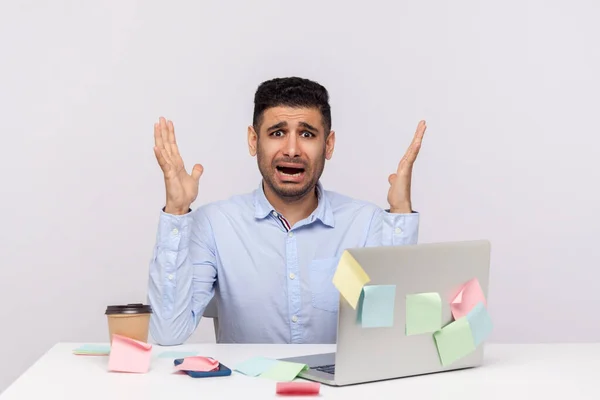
(423, 313)
(92, 350)
(177, 354)
(284, 371)
(376, 306)
(129, 355)
(349, 278)
(480, 323)
(467, 298)
(255, 366)
(198, 364)
(297, 388)
(454, 341)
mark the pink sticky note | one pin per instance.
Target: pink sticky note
(298, 388)
(129, 355)
(198, 364)
(467, 298)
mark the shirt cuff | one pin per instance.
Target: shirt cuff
(174, 230)
(402, 229)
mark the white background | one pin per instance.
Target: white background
(509, 90)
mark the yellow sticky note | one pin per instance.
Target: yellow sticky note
(349, 278)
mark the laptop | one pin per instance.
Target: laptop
(374, 354)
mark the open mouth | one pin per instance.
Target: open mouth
(290, 171)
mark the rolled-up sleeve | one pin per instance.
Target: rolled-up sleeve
(391, 229)
(181, 276)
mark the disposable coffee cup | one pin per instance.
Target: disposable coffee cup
(131, 320)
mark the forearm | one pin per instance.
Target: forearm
(170, 291)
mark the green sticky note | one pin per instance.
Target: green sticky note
(255, 366)
(423, 313)
(376, 306)
(284, 371)
(454, 341)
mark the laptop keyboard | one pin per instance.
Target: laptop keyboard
(329, 369)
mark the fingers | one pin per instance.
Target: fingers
(174, 150)
(157, 136)
(197, 172)
(164, 134)
(413, 150)
(164, 165)
(392, 178)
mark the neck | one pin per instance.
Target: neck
(293, 209)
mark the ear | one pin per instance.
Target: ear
(252, 140)
(329, 145)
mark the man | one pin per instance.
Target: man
(269, 256)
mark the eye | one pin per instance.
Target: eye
(307, 134)
(277, 133)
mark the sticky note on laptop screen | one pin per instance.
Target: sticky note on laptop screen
(423, 313)
(349, 278)
(467, 298)
(480, 323)
(454, 341)
(376, 306)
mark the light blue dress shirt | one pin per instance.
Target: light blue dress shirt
(271, 284)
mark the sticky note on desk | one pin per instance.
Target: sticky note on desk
(255, 366)
(284, 371)
(480, 323)
(129, 355)
(376, 306)
(92, 350)
(454, 341)
(423, 313)
(349, 278)
(198, 364)
(467, 298)
(297, 388)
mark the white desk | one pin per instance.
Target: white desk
(564, 371)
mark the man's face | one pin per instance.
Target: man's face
(291, 149)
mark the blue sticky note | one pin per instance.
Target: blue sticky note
(92, 349)
(480, 323)
(255, 366)
(177, 354)
(376, 306)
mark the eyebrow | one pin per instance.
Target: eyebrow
(308, 126)
(277, 125)
(283, 124)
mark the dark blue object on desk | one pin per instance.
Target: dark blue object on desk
(222, 371)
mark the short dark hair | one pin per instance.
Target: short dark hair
(291, 92)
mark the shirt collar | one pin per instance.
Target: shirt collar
(323, 212)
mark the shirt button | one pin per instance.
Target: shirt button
(398, 230)
(274, 213)
(292, 276)
(175, 231)
(290, 234)
(294, 319)
(170, 277)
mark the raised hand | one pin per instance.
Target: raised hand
(181, 187)
(399, 196)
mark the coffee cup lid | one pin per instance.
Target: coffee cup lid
(136, 308)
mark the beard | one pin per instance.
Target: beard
(290, 191)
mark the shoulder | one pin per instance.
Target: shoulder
(233, 205)
(342, 202)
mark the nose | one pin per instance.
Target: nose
(291, 146)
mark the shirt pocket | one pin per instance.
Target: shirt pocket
(325, 295)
